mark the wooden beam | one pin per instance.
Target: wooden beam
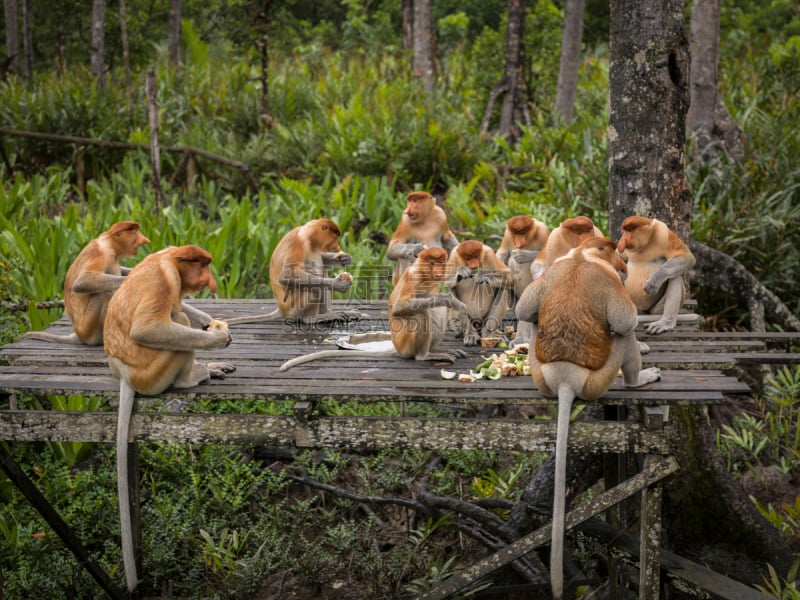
(332, 432)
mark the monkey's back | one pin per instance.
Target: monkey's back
(572, 323)
(87, 311)
(149, 367)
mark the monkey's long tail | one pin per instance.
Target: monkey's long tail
(255, 318)
(304, 358)
(565, 397)
(126, 397)
(44, 336)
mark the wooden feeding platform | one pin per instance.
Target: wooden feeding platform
(696, 371)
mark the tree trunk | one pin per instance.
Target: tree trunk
(511, 87)
(27, 38)
(408, 24)
(263, 47)
(708, 117)
(58, 59)
(570, 58)
(97, 49)
(707, 511)
(126, 57)
(174, 33)
(12, 36)
(424, 45)
(151, 91)
(649, 96)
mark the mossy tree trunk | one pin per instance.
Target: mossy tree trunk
(707, 511)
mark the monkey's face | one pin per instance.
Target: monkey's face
(520, 240)
(126, 238)
(192, 264)
(196, 276)
(134, 239)
(328, 235)
(433, 262)
(520, 229)
(636, 233)
(418, 207)
(470, 251)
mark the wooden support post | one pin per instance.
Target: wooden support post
(614, 469)
(650, 541)
(654, 418)
(44, 508)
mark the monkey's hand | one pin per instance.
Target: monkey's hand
(412, 250)
(654, 283)
(471, 338)
(522, 257)
(221, 338)
(493, 278)
(677, 266)
(342, 282)
(340, 258)
(463, 272)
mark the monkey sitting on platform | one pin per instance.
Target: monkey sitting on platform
(91, 279)
(150, 338)
(586, 333)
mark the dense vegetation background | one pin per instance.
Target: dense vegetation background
(351, 133)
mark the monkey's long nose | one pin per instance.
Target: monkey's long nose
(212, 284)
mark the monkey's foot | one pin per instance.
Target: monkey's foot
(218, 370)
(646, 376)
(643, 348)
(660, 326)
(449, 356)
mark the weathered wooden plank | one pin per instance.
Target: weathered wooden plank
(331, 432)
(651, 474)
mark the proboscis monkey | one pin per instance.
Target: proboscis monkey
(657, 263)
(298, 274)
(91, 279)
(423, 225)
(417, 314)
(570, 234)
(150, 338)
(523, 239)
(418, 311)
(586, 333)
(482, 282)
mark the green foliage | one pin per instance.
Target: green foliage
(501, 485)
(782, 589)
(772, 436)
